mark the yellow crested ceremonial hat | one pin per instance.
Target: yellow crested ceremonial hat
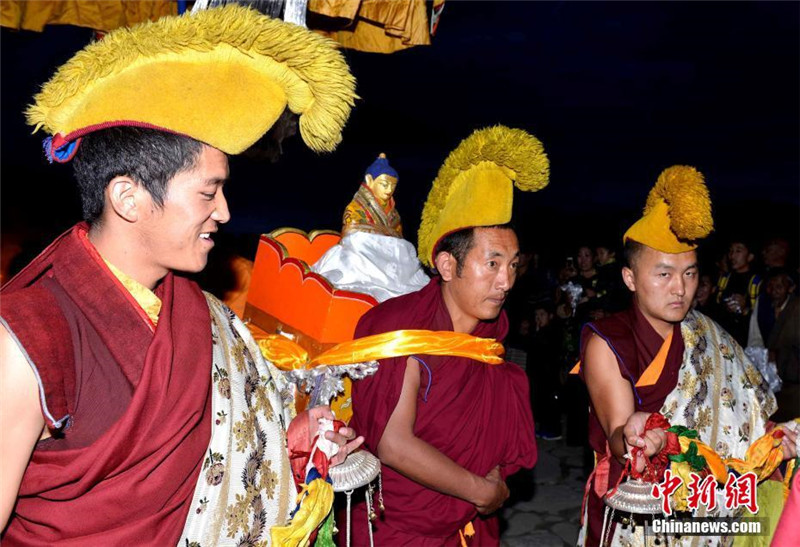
(475, 185)
(677, 213)
(222, 76)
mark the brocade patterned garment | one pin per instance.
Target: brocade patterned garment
(245, 486)
(365, 214)
(167, 432)
(720, 394)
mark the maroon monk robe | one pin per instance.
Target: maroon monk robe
(130, 480)
(635, 343)
(478, 415)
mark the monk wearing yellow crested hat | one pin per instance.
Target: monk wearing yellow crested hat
(449, 430)
(659, 356)
(135, 409)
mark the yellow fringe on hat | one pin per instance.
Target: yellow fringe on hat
(312, 74)
(684, 190)
(513, 155)
(677, 213)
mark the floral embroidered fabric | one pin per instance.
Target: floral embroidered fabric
(722, 396)
(245, 486)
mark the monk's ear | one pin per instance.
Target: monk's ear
(124, 198)
(446, 265)
(629, 278)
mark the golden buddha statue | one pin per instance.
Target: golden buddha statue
(372, 256)
(372, 208)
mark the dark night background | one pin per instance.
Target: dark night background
(615, 91)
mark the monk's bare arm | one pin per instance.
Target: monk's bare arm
(612, 399)
(611, 394)
(401, 450)
(21, 421)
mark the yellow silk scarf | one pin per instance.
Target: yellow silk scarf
(288, 355)
(317, 500)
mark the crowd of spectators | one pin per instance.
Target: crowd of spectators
(750, 290)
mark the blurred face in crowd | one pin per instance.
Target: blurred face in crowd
(775, 253)
(604, 255)
(488, 273)
(778, 289)
(664, 286)
(704, 289)
(585, 259)
(739, 257)
(542, 318)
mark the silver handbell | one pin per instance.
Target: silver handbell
(359, 469)
(634, 496)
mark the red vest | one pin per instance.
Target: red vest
(129, 407)
(478, 415)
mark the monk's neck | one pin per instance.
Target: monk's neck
(123, 250)
(462, 322)
(662, 328)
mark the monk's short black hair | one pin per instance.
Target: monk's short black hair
(149, 156)
(631, 250)
(460, 242)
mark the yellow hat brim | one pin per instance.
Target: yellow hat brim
(471, 192)
(222, 76)
(475, 186)
(677, 213)
(231, 127)
(653, 230)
